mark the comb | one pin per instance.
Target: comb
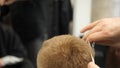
(92, 45)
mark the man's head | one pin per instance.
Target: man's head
(64, 51)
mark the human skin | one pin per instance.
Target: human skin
(92, 65)
(1, 63)
(6, 2)
(105, 31)
(2, 2)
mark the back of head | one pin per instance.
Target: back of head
(64, 51)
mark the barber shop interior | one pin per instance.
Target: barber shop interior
(59, 33)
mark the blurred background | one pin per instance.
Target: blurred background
(37, 20)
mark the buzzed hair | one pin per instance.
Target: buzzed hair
(64, 51)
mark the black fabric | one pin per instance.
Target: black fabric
(4, 10)
(38, 20)
(100, 55)
(43, 18)
(25, 64)
(10, 44)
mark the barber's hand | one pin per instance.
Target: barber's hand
(104, 31)
(92, 65)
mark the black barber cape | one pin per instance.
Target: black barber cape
(43, 18)
(10, 44)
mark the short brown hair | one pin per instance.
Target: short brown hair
(64, 51)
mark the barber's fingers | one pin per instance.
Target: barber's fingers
(94, 30)
(99, 37)
(90, 26)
